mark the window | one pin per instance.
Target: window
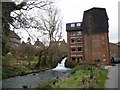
(79, 33)
(73, 57)
(59, 44)
(79, 40)
(15, 45)
(73, 33)
(72, 25)
(79, 58)
(72, 40)
(37, 47)
(73, 49)
(104, 60)
(103, 55)
(78, 24)
(79, 49)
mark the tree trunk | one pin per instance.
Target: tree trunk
(39, 60)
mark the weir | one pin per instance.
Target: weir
(61, 66)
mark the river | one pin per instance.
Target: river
(32, 80)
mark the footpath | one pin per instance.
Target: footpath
(113, 76)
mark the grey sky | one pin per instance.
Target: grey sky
(72, 11)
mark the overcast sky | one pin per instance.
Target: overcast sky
(72, 11)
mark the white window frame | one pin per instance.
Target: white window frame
(104, 60)
(79, 33)
(78, 24)
(72, 25)
(73, 55)
(80, 55)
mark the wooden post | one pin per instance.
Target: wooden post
(86, 83)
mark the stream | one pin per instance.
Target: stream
(32, 80)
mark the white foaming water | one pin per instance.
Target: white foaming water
(61, 66)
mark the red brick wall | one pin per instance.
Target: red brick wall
(97, 47)
(74, 44)
(113, 50)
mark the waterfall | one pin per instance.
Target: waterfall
(61, 66)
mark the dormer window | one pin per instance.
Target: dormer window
(72, 25)
(78, 24)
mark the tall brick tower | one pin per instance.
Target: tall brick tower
(96, 42)
(93, 36)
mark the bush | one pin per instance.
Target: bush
(22, 72)
(75, 69)
(69, 64)
(10, 71)
(8, 61)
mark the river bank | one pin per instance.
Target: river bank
(83, 77)
(8, 72)
(32, 80)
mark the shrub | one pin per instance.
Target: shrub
(8, 61)
(69, 64)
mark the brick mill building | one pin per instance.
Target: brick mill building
(88, 40)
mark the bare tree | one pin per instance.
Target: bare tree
(51, 28)
(46, 20)
(25, 19)
(52, 24)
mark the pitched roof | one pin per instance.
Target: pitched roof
(60, 44)
(57, 42)
(39, 43)
(14, 35)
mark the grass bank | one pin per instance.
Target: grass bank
(21, 67)
(76, 79)
(101, 79)
(8, 72)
